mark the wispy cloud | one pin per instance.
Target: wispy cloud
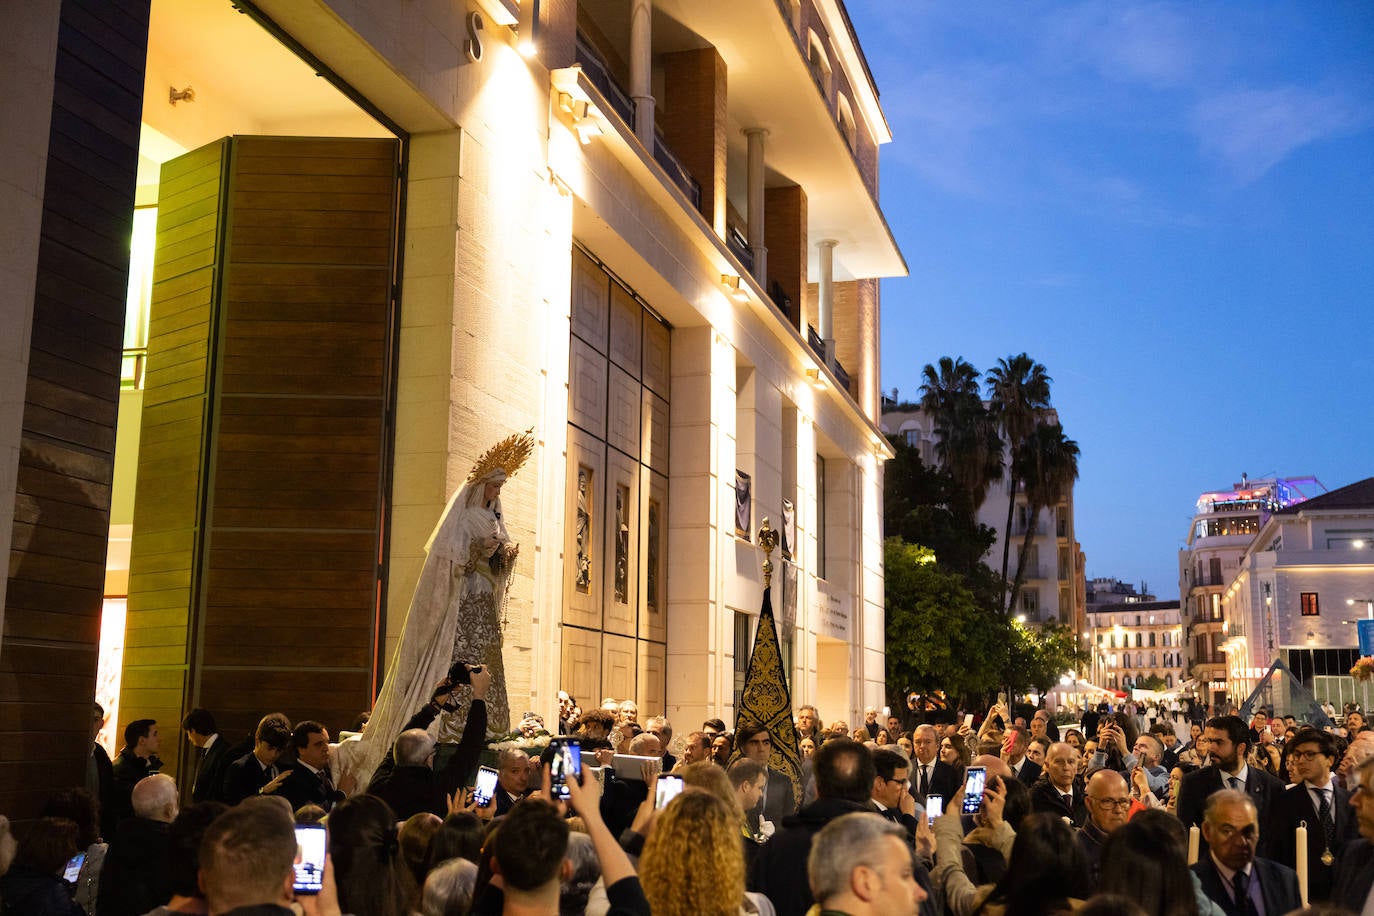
(1151, 44)
(1252, 130)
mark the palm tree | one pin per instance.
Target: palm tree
(968, 446)
(1018, 396)
(1048, 462)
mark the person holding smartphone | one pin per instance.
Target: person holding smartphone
(407, 780)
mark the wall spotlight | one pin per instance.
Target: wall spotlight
(175, 95)
(527, 29)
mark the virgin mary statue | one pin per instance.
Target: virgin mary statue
(456, 614)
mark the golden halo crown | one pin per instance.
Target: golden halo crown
(508, 455)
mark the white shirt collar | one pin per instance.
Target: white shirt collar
(1228, 874)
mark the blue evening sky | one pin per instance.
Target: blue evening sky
(1171, 206)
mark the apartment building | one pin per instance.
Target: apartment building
(370, 239)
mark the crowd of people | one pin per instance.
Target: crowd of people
(1130, 810)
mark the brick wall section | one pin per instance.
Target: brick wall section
(693, 120)
(785, 237)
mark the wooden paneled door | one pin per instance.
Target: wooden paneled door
(260, 511)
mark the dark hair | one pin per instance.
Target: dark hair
(1236, 729)
(715, 724)
(359, 721)
(272, 733)
(300, 737)
(844, 769)
(1145, 859)
(744, 770)
(531, 844)
(81, 808)
(1046, 868)
(1161, 728)
(371, 877)
(1325, 741)
(596, 716)
(200, 721)
(1018, 801)
(183, 845)
(459, 837)
(47, 845)
(139, 728)
(415, 835)
(887, 763)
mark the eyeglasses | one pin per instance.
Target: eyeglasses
(1305, 755)
(1120, 804)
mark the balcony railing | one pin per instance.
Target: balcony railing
(817, 344)
(596, 71)
(1018, 528)
(681, 177)
(783, 302)
(739, 246)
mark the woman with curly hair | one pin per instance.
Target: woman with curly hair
(368, 869)
(693, 862)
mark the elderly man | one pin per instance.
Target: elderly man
(1358, 751)
(860, 866)
(1059, 791)
(1231, 875)
(890, 795)
(869, 729)
(1014, 747)
(696, 748)
(929, 774)
(662, 729)
(808, 724)
(1225, 737)
(136, 876)
(1317, 801)
(512, 780)
(1355, 869)
(629, 712)
(1107, 802)
(406, 778)
(1041, 726)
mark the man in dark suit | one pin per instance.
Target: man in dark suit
(512, 779)
(252, 773)
(407, 780)
(211, 755)
(1058, 791)
(1225, 737)
(1231, 875)
(1014, 753)
(890, 796)
(1323, 805)
(778, 802)
(1355, 868)
(929, 774)
(309, 782)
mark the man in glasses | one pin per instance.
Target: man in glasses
(1231, 874)
(1355, 868)
(1318, 800)
(1108, 802)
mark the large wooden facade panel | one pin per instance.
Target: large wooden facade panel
(57, 557)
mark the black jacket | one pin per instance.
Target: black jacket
(944, 780)
(1195, 788)
(28, 892)
(1046, 798)
(1354, 875)
(779, 871)
(1278, 886)
(303, 786)
(243, 778)
(128, 769)
(209, 784)
(136, 876)
(413, 789)
(1293, 806)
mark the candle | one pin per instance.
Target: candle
(1192, 844)
(1301, 863)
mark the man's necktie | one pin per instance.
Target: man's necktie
(1240, 883)
(1324, 815)
(924, 788)
(1235, 783)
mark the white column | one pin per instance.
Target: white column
(641, 63)
(755, 206)
(826, 317)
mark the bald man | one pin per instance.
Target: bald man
(1060, 792)
(136, 876)
(1108, 801)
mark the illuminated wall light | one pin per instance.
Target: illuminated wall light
(814, 377)
(527, 29)
(731, 283)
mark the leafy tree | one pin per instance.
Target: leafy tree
(920, 508)
(1040, 655)
(1019, 395)
(938, 636)
(1048, 463)
(1151, 682)
(968, 446)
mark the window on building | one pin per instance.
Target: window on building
(1309, 604)
(1216, 606)
(1214, 570)
(1154, 660)
(1168, 680)
(1139, 640)
(1152, 639)
(1030, 603)
(743, 644)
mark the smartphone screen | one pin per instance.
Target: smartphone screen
(974, 781)
(968, 720)
(935, 806)
(566, 764)
(309, 866)
(485, 789)
(73, 869)
(668, 787)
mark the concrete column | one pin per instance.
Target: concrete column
(826, 318)
(641, 63)
(755, 205)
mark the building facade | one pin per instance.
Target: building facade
(372, 239)
(1134, 639)
(1054, 590)
(1224, 524)
(1301, 585)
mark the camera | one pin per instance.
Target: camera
(461, 673)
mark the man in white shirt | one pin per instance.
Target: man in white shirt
(1319, 802)
(1231, 875)
(929, 774)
